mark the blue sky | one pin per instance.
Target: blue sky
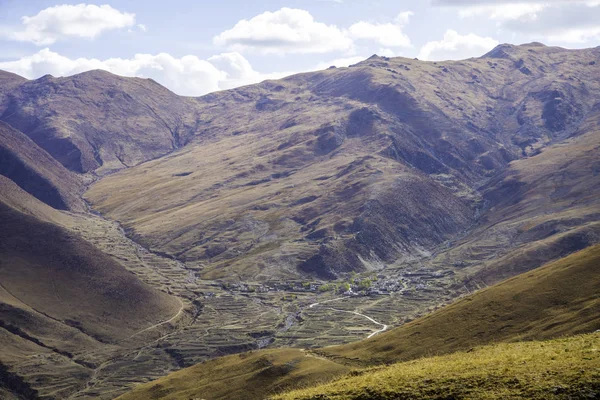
(194, 47)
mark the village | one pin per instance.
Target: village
(354, 285)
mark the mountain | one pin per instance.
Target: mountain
(96, 121)
(389, 161)
(143, 232)
(555, 300)
(540, 208)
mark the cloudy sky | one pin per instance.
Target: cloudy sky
(197, 46)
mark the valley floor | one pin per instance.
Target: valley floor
(218, 318)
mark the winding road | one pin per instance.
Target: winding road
(160, 323)
(383, 326)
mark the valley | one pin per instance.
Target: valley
(252, 229)
(221, 318)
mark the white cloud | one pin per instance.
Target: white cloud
(386, 34)
(455, 46)
(187, 75)
(574, 35)
(551, 21)
(235, 65)
(291, 30)
(385, 52)
(467, 3)
(287, 30)
(576, 22)
(64, 21)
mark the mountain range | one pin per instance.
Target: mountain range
(143, 232)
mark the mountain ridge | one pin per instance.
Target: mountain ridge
(354, 131)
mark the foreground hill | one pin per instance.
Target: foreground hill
(561, 298)
(388, 161)
(556, 369)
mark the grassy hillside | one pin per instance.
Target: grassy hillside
(253, 375)
(59, 274)
(557, 369)
(561, 298)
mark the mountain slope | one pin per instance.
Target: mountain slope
(540, 208)
(64, 304)
(556, 369)
(561, 298)
(35, 171)
(96, 121)
(59, 274)
(352, 169)
(246, 376)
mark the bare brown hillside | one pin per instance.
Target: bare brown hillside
(38, 173)
(64, 305)
(355, 168)
(96, 121)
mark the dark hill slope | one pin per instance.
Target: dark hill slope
(64, 305)
(14, 196)
(561, 298)
(99, 121)
(540, 208)
(355, 168)
(62, 276)
(8, 81)
(36, 172)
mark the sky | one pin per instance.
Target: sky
(195, 47)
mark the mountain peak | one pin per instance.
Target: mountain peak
(501, 51)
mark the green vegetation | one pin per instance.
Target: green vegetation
(328, 287)
(556, 369)
(364, 284)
